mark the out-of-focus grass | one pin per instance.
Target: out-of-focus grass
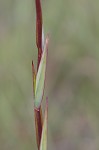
(72, 75)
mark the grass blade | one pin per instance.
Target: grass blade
(43, 144)
(40, 78)
(34, 78)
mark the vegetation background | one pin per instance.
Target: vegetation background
(72, 82)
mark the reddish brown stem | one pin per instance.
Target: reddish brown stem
(38, 125)
(39, 29)
(38, 113)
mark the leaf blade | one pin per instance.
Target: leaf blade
(43, 144)
(40, 78)
(34, 78)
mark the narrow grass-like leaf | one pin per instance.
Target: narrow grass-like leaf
(40, 78)
(43, 144)
(43, 42)
(34, 78)
(37, 113)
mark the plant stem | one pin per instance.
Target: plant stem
(38, 125)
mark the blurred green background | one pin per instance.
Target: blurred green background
(72, 82)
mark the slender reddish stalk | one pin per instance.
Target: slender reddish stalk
(38, 125)
(38, 113)
(39, 40)
(38, 29)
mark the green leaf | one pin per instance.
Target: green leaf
(34, 78)
(43, 144)
(40, 78)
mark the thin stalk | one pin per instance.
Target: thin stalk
(39, 75)
(38, 29)
(38, 125)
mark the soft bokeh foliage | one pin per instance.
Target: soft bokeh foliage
(72, 74)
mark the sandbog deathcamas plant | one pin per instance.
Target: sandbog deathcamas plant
(39, 81)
